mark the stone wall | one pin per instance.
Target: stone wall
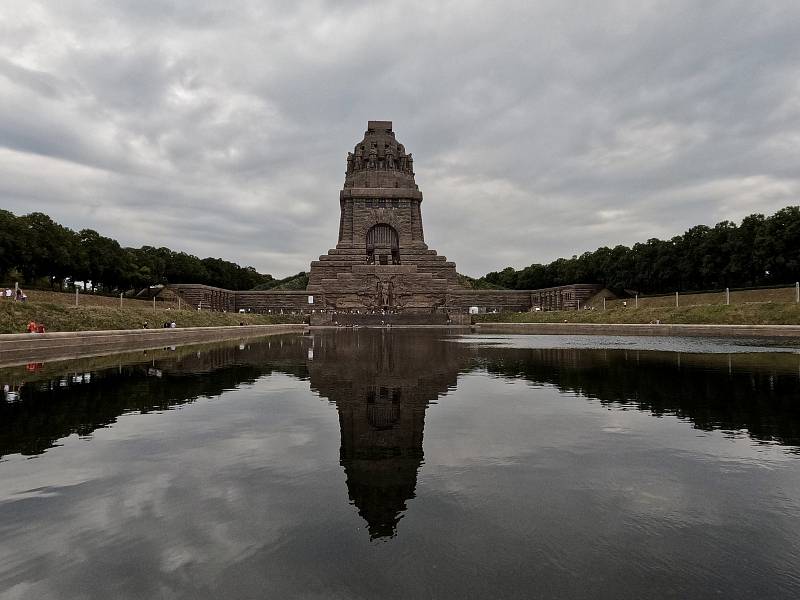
(565, 297)
(410, 291)
(207, 297)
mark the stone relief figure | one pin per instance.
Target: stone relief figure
(410, 163)
(400, 292)
(373, 156)
(368, 293)
(359, 158)
(389, 153)
(384, 293)
(401, 157)
(349, 162)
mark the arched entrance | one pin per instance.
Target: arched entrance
(383, 245)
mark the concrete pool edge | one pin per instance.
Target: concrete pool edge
(18, 348)
(663, 330)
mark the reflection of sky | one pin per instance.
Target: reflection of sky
(524, 492)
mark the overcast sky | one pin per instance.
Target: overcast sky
(539, 129)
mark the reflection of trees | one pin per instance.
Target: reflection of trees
(713, 391)
(52, 409)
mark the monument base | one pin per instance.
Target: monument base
(377, 320)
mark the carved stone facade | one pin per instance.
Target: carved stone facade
(381, 264)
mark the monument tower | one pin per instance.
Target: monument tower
(381, 262)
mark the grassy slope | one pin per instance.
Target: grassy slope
(784, 294)
(14, 317)
(58, 313)
(767, 313)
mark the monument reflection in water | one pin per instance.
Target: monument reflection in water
(381, 385)
(544, 467)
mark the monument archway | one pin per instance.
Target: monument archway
(383, 245)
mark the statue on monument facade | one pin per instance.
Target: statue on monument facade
(384, 294)
(373, 156)
(401, 157)
(389, 153)
(359, 159)
(349, 162)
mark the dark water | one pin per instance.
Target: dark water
(375, 464)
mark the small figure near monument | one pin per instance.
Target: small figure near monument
(349, 162)
(34, 327)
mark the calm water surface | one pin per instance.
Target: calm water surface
(400, 464)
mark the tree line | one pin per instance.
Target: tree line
(758, 251)
(35, 248)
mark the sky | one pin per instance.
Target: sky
(539, 129)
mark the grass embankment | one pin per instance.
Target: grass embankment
(767, 313)
(15, 316)
(781, 295)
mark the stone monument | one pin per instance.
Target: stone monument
(382, 271)
(381, 262)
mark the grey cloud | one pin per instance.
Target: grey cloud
(538, 130)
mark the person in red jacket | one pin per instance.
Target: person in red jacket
(32, 327)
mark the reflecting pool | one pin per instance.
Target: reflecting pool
(405, 464)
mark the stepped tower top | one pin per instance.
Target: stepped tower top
(379, 160)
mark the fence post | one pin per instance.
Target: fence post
(604, 302)
(728, 296)
(154, 305)
(636, 300)
(676, 300)
(120, 300)
(797, 291)
(179, 302)
(76, 296)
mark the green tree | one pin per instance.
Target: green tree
(10, 242)
(48, 249)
